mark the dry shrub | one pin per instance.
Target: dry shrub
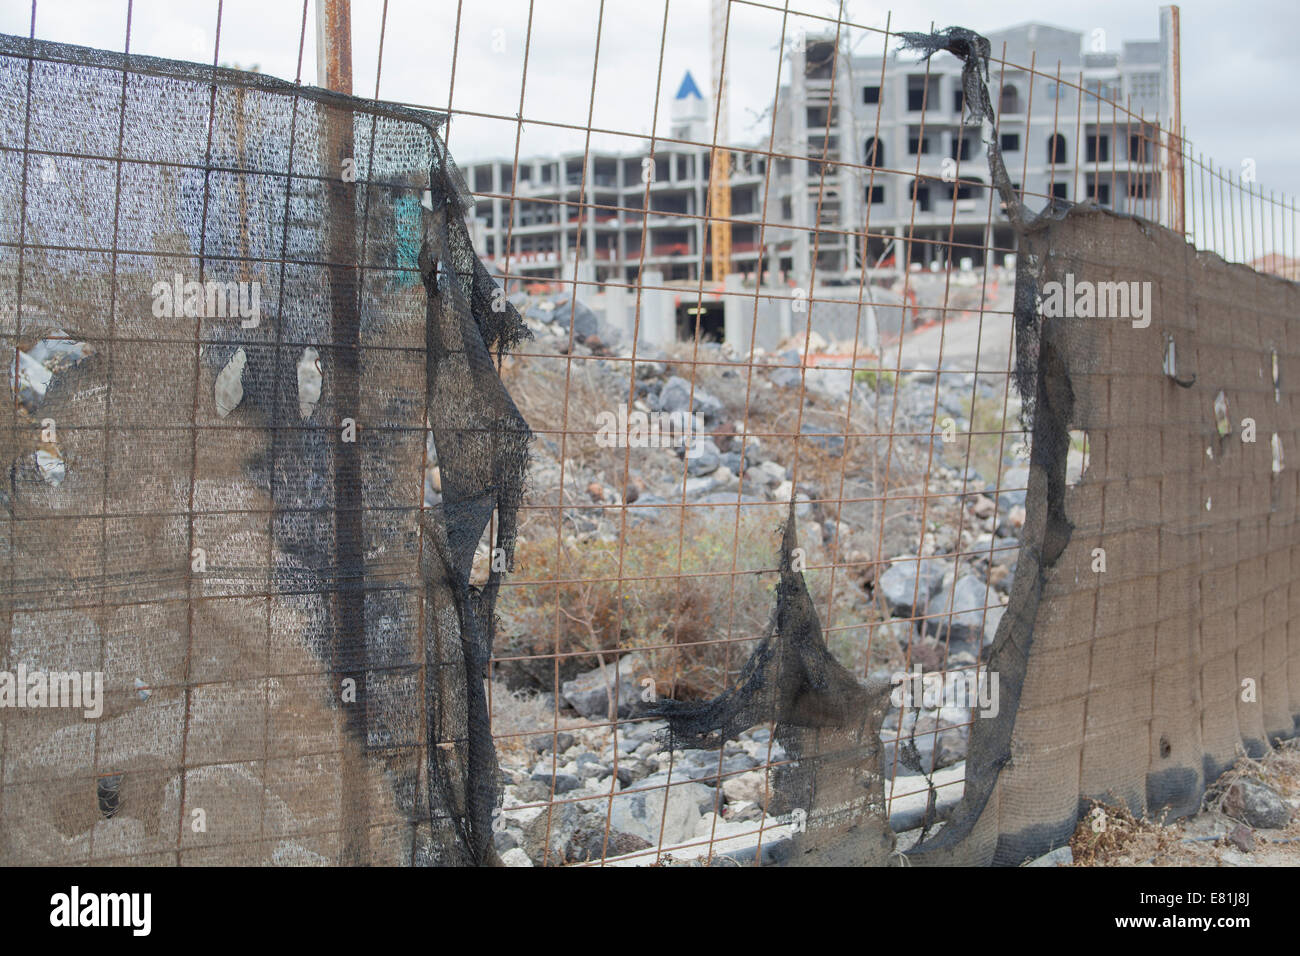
(676, 600)
(1117, 834)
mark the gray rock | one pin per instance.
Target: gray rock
(699, 485)
(751, 787)
(966, 598)
(1012, 479)
(648, 508)
(900, 588)
(675, 396)
(1061, 856)
(564, 782)
(991, 621)
(564, 820)
(585, 324)
(831, 381)
(703, 457)
(1006, 553)
(1257, 805)
(707, 404)
(560, 742)
(591, 844)
(802, 503)
(515, 857)
(703, 765)
(786, 378)
(589, 693)
(639, 731)
(641, 811)
(740, 811)
(731, 498)
(1243, 838)
(824, 438)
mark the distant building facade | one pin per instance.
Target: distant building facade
(920, 125)
(1060, 150)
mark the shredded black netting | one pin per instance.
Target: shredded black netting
(827, 721)
(482, 443)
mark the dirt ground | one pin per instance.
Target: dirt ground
(1203, 839)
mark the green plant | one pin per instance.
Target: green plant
(870, 377)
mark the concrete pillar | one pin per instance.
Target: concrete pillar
(737, 314)
(658, 317)
(618, 315)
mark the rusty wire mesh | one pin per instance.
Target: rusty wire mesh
(638, 575)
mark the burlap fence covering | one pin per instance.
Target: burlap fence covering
(292, 656)
(1139, 684)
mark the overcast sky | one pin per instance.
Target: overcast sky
(1240, 61)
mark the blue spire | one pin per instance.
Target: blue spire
(688, 88)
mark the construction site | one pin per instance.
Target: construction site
(418, 465)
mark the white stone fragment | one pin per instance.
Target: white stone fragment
(309, 382)
(229, 391)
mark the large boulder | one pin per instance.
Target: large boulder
(641, 811)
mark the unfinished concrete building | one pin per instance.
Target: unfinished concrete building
(928, 164)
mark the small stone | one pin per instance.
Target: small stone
(515, 857)
(309, 382)
(561, 741)
(229, 390)
(590, 845)
(1061, 856)
(740, 811)
(564, 782)
(702, 457)
(1243, 838)
(746, 788)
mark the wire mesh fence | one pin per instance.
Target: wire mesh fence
(336, 620)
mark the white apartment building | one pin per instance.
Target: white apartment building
(905, 205)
